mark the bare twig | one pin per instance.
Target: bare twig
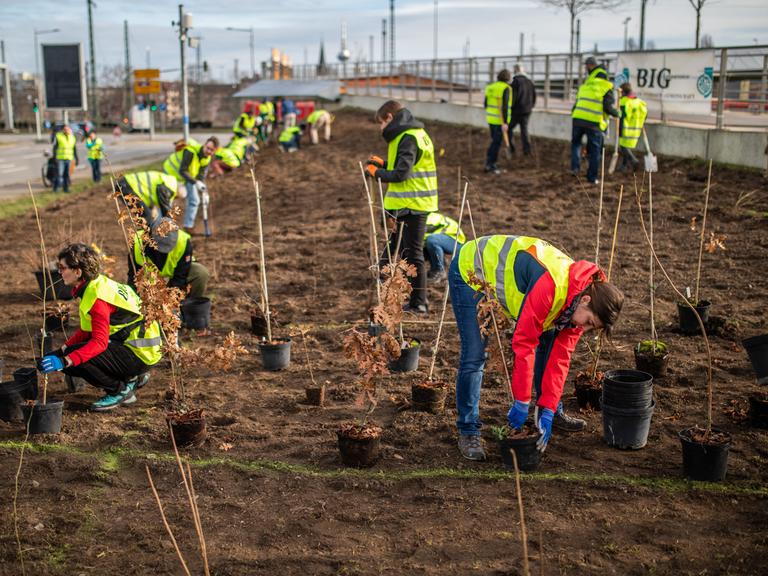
(46, 273)
(165, 522)
(374, 240)
(306, 353)
(701, 242)
(261, 256)
(523, 533)
(615, 232)
(600, 205)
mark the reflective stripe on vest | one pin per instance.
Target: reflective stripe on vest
(244, 124)
(494, 97)
(171, 261)
(634, 114)
(496, 255)
(419, 190)
(144, 185)
(440, 224)
(65, 146)
(143, 342)
(238, 146)
(96, 151)
(589, 100)
(228, 157)
(173, 163)
(287, 134)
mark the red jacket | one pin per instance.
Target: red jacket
(530, 323)
(97, 339)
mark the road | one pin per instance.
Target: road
(22, 157)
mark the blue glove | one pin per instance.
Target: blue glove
(518, 414)
(51, 363)
(544, 417)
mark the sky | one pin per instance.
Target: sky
(297, 27)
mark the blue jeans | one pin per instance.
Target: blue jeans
(594, 147)
(193, 201)
(95, 168)
(62, 179)
(493, 150)
(436, 245)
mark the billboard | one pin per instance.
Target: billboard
(676, 81)
(64, 77)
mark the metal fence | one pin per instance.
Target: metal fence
(740, 96)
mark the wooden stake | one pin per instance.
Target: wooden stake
(651, 263)
(600, 206)
(165, 522)
(523, 533)
(374, 240)
(46, 274)
(615, 233)
(262, 259)
(384, 221)
(701, 242)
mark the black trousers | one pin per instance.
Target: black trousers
(522, 121)
(628, 159)
(412, 250)
(497, 137)
(110, 369)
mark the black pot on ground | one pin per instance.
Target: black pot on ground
(53, 285)
(56, 322)
(196, 313)
(409, 357)
(44, 418)
(276, 355)
(757, 350)
(528, 457)
(758, 411)
(707, 461)
(652, 357)
(27, 376)
(687, 319)
(44, 342)
(189, 428)
(627, 429)
(12, 395)
(627, 389)
(429, 396)
(359, 450)
(315, 395)
(588, 396)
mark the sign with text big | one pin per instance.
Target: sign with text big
(678, 81)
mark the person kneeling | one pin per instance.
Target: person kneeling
(113, 349)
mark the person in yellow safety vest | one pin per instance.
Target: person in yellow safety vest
(225, 159)
(320, 119)
(290, 139)
(552, 300)
(154, 189)
(239, 146)
(172, 257)
(594, 103)
(633, 114)
(267, 115)
(246, 122)
(95, 146)
(188, 164)
(113, 349)
(498, 110)
(442, 235)
(411, 178)
(65, 152)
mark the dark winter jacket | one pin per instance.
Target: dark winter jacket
(408, 152)
(523, 95)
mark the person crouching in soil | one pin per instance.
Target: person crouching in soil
(553, 300)
(112, 349)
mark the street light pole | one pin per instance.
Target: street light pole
(184, 25)
(252, 46)
(626, 34)
(94, 90)
(38, 114)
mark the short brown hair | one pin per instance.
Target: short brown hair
(389, 107)
(215, 141)
(626, 88)
(504, 76)
(606, 302)
(81, 257)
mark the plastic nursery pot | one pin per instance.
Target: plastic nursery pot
(259, 325)
(757, 350)
(588, 395)
(12, 395)
(687, 319)
(189, 428)
(315, 395)
(44, 418)
(27, 376)
(429, 396)
(54, 286)
(56, 322)
(707, 461)
(409, 357)
(758, 410)
(524, 447)
(276, 355)
(359, 446)
(196, 313)
(651, 356)
(627, 429)
(627, 389)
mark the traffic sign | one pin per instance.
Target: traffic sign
(148, 73)
(144, 86)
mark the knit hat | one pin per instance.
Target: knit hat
(164, 243)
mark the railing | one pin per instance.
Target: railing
(740, 96)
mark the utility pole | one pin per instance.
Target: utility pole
(626, 32)
(383, 39)
(370, 48)
(128, 83)
(578, 36)
(185, 23)
(642, 23)
(94, 91)
(391, 30)
(522, 44)
(2, 51)
(434, 33)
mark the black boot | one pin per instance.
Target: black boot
(566, 423)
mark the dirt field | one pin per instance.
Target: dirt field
(273, 496)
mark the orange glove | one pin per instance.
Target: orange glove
(371, 170)
(376, 161)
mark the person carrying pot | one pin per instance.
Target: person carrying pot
(172, 257)
(113, 349)
(553, 300)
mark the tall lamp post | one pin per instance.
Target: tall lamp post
(184, 24)
(626, 34)
(253, 56)
(38, 114)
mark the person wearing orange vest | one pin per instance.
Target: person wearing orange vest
(498, 108)
(553, 301)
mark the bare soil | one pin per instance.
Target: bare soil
(273, 496)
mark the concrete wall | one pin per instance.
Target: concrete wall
(741, 148)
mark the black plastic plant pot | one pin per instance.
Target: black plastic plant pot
(687, 319)
(12, 395)
(654, 363)
(706, 461)
(196, 313)
(627, 389)
(528, 457)
(758, 411)
(409, 357)
(276, 355)
(429, 396)
(44, 418)
(259, 325)
(53, 285)
(588, 397)
(56, 322)
(189, 428)
(757, 350)
(359, 452)
(627, 429)
(27, 376)
(315, 395)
